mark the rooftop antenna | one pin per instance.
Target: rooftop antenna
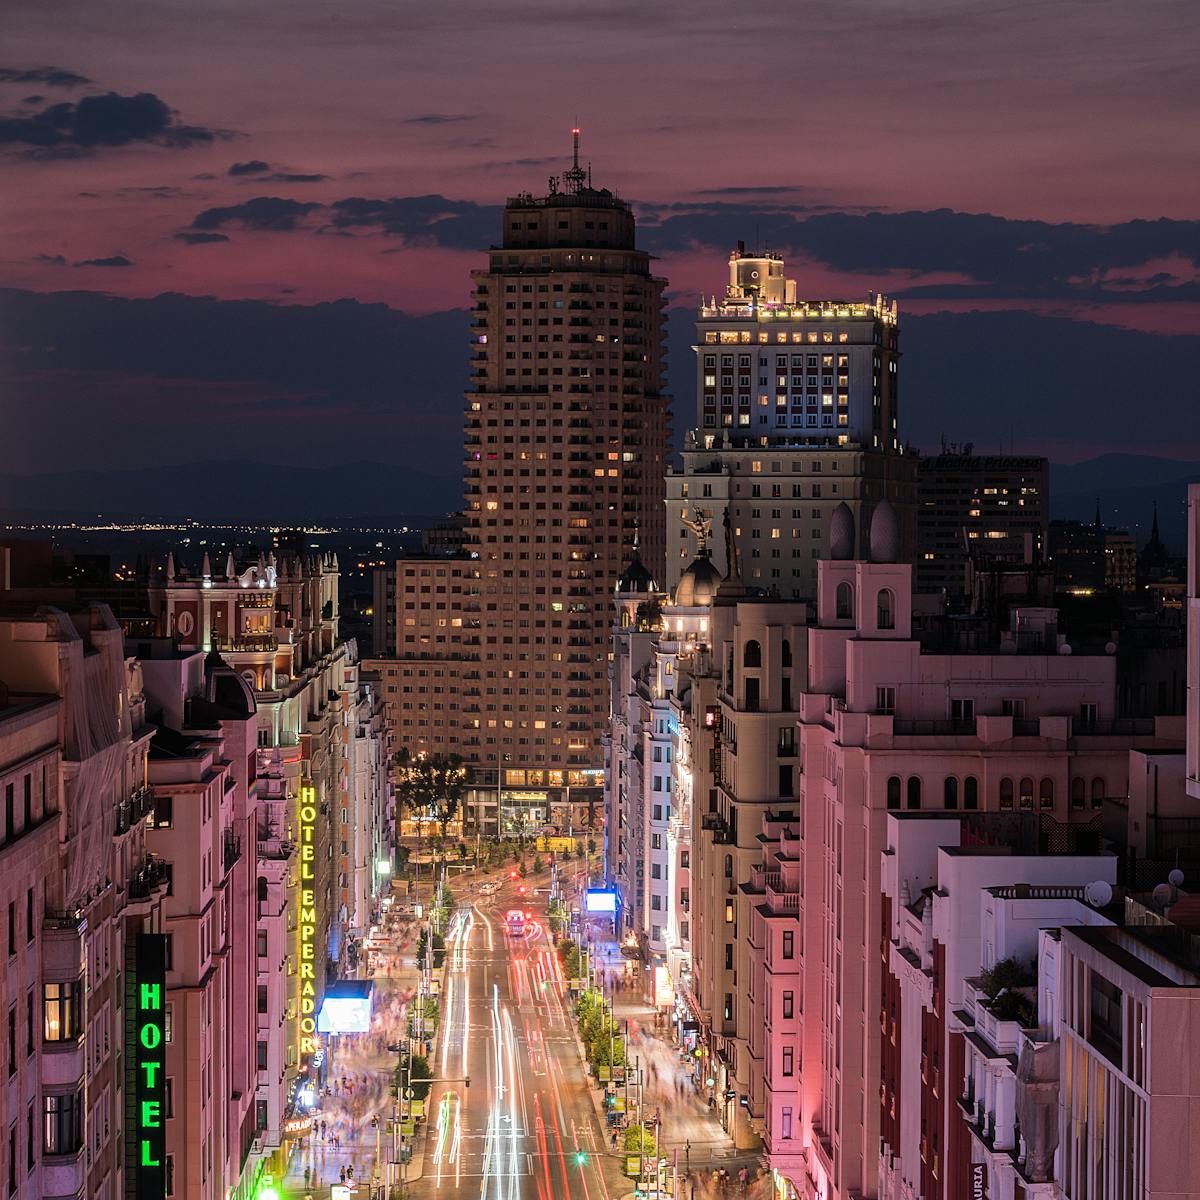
(574, 178)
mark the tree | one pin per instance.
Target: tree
(432, 784)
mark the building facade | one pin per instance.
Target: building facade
(975, 506)
(796, 412)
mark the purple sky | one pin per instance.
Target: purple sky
(848, 134)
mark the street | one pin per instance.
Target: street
(526, 1126)
(510, 1115)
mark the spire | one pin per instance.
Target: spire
(230, 566)
(1096, 522)
(576, 176)
(1154, 538)
(171, 564)
(206, 567)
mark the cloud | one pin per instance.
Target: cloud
(991, 257)
(199, 239)
(116, 260)
(298, 178)
(774, 189)
(273, 213)
(50, 260)
(456, 224)
(439, 118)
(101, 121)
(46, 76)
(255, 166)
(376, 367)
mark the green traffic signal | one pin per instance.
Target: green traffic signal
(580, 1157)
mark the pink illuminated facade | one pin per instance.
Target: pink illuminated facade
(1024, 731)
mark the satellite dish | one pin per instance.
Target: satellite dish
(1163, 895)
(1175, 878)
(1098, 893)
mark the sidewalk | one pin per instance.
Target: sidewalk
(687, 1122)
(363, 1060)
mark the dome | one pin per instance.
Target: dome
(698, 584)
(841, 533)
(635, 578)
(885, 533)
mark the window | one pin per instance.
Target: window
(785, 780)
(1046, 793)
(262, 1056)
(1078, 792)
(1098, 791)
(729, 866)
(893, 792)
(1006, 793)
(61, 1123)
(787, 742)
(950, 792)
(962, 712)
(12, 928)
(262, 997)
(789, 943)
(728, 912)
(970, 792)
(914, 791)
(789, 1004)
(885, 701)
(12, 1041)
(785, 1121)
(885, 617)
(60, 1011)
(29, 909)
(845, 601)
(752, 655)
(262, 943)
(1026, 792)
(1088, 714)
(786, 653)
(163, 812)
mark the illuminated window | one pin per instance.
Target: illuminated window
(60, 1011)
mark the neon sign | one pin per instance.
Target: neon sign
(306, 926)
(146, 1055)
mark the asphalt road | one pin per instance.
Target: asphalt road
(525, 1128)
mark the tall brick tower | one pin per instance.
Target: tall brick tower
(566, 437)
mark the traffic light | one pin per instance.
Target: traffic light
(512, 874)
(521, 890)
(580, 1157)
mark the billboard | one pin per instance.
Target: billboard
(601, 902)
(145, 1046)
(346, 1007)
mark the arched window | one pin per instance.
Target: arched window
(1046, 793)
(752, 655)
(1006, 793)
(914, 791)
(1078, 791)
(845, 601)
(885, 609)
(970, 792)
(893, 792)
(1098, 791)
(729, 866)
(950, 792)
(787, 653)
(1026, 792)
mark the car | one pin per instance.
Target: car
(515, 922)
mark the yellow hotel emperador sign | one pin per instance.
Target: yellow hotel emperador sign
(306, 926)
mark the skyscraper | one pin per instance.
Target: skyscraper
(566, 435)
(796, 413)
(566, 438)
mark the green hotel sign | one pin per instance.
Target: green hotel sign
(146, 1065)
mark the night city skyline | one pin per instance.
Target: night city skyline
(600, 602)
(1015, 176)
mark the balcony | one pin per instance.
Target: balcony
(232, 849)
(148, 878)
(133, 810)
(933, 728)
